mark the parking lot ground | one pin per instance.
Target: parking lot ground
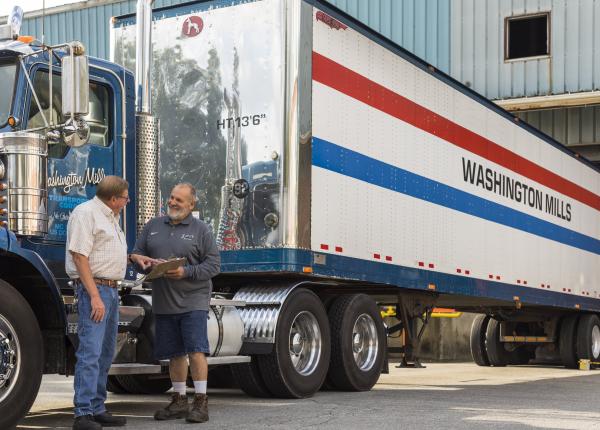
(441, 396)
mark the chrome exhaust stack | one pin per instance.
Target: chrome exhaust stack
(147, 125)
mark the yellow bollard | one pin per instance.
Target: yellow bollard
(584, 364)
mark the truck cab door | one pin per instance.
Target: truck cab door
(73, 173)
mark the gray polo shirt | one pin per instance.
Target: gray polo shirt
(190, 239)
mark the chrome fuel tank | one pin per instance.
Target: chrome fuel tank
(225, 331)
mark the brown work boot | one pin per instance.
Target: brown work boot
(176, 409)
(199, 411)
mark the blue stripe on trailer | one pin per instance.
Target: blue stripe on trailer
(346, 269)
(349, 163)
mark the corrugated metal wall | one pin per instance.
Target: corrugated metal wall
(421, 26)
(576, 127)
(477, 48)
(90, 25)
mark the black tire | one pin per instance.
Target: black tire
(497, 355)
(344, 372)
(28, 358)
(477, 340)
(113, 385)
(588, 337)
(567, 341)
(220, 377)
(249, 379)
(521, 355)
(277, 369)
(144, 384)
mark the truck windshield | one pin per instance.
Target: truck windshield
(7, 77)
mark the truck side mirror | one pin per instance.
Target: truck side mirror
(75, 85)
(75, 96)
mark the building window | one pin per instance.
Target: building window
(527, 36)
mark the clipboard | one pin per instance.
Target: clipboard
(160, 269)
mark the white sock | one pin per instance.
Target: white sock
(179, 387)
(200, 387)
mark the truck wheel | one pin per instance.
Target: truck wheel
(298, 364)
(497, 355)
(248, 377)
(220, 377)
(144, 384)
(113, 385)
(477, 340)
(521, 355)
(567, 341)
(588, 337)
(358, 343)
(21, 356)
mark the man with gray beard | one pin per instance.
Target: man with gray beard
(180, 300)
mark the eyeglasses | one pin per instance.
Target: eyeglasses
(123, 197)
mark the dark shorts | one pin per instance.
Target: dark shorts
(177, 335)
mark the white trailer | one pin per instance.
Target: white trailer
(339, 172)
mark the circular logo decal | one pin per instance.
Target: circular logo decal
(192, 26)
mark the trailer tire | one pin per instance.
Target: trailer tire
(113, 385)
(144, 384)
(248, 377)
(497, 354)
(568, 340)
(477, 340)
(21, 344)
(303, 333)
(588, 337)
(358, 343)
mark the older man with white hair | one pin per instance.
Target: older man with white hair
(180, 300)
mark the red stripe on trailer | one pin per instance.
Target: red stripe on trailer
(431, 265)
(458, 271)
(525, 282)
(377, 256)
(467, 272)
(324, 247)
(518, 281)
(497, 277)
(352, 84)
(491, 276)
(338, 249)
(388, 258)
(421, 264)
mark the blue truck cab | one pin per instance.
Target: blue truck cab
(35, 296)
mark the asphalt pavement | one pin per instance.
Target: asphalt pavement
(442, 396)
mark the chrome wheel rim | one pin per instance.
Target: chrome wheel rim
(305, 343)
(9, 358)
(595, 342)
(365, 342)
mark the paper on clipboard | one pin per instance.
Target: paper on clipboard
(160, 269)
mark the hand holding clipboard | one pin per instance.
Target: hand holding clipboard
(160, 269)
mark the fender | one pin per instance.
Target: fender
(10, 248)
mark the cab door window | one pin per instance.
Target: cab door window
(98, 118)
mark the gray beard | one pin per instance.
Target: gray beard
(175, 215)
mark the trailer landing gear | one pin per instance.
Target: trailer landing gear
(413, 310)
